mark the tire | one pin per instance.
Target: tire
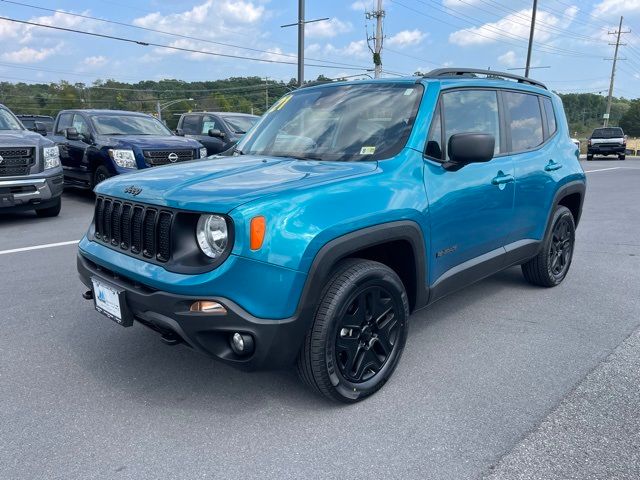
(551, 265)
(100, 175)
(358, 333)
(589, 156)
(622, 157)
(51, 211)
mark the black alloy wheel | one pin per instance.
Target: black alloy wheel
(561, 247)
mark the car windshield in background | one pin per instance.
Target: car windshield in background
(607, 133)
(340, 123)
(8, 121)
(240, 124)
(128, 125)
(31, 124)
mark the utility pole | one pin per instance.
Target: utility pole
(613, 70)
(301, 23)
(378, 39)
(531, 33)
(266, 93)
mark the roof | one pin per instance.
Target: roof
(96, 111)
(235, 114)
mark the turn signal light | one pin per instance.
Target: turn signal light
(205, 306)
(258, 228)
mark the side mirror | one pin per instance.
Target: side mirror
(71, 134)
(214, 132)
(180, 132)
(40, 128)
(466, 148)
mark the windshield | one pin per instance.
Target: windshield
(30, 123)
(340, 123)
(8, 121)
(607, 133)
(240, 124)
(128, 125)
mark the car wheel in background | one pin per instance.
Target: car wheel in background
(358, 333)
(51, 211)
(100, 175)
(589, 156)
(622, 157)
(551, 265)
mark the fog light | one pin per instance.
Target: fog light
(241, 343)
(205, 306)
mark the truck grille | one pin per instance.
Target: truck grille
(16, 161)
(165, 157)
(138, 229)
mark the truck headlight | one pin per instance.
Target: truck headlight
(203, 153)
(212, 235)
(51, 157)
(123, 158)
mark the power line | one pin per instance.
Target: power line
(172, 47)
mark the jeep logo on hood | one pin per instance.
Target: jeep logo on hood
(133, 190)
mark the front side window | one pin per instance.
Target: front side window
(8, 121)
(471, 111)
(525, 121)
(337, 123)
(208, 123)
(80, 124)
(128, 125)
(65, 121)
(191, 125)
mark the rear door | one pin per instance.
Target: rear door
(471, 209)
(532, 141)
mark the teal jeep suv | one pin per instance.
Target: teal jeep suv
(346, 208)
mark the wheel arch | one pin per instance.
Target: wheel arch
(400, 245)
(571, 196)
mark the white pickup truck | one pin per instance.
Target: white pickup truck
(607, 141)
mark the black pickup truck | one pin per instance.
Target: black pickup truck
(30, 172)
(218, 131)
(607, 141)
(97, 144)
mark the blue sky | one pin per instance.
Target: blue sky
(419, 35)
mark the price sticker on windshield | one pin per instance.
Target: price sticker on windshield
(367, 150)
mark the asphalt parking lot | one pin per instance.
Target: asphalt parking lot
(488, 379)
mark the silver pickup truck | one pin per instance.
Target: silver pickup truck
(607, 141)
(30, 172)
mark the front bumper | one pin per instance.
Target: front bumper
(277, 342)
(31, 191)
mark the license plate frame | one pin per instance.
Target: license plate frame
(110, 301)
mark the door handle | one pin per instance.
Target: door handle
(551, 166)
(501, 179)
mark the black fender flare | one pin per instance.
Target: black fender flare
(576, 186)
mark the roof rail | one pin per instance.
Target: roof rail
(472, 72)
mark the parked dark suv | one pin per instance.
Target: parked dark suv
(32, 122)
(30, 172)
(97, 144)
(218, 131)
(347, 207)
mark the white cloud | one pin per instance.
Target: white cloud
(95, 61)
(327, 29)
(510, 59)
(406, 38)
(30, 55)
(361, 5)
(357, 48)
(458, 3)
(514, 25)
(617, 7)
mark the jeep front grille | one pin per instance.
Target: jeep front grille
(139, 229)
(16, 161)
(165, 157)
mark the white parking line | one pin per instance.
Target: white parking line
(39, 247)
(603, 169)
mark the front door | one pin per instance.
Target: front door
(471, 209)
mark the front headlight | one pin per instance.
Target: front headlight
(203, 153)
(123, 158)
(212, 235)
(51, 157)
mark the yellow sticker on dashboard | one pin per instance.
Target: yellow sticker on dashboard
(280, 103)
(367, 150)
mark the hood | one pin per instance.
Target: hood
(221, 184)
(150, 141)
(23, 138)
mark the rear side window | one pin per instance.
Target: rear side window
(191, 125)
(471, 111)
(551, 116)
(525, 121)
(65, 121)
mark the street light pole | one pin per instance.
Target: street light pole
(160, 107)
(531, 33)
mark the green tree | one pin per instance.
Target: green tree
(630, 121)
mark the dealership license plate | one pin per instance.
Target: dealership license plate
(109, 301)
